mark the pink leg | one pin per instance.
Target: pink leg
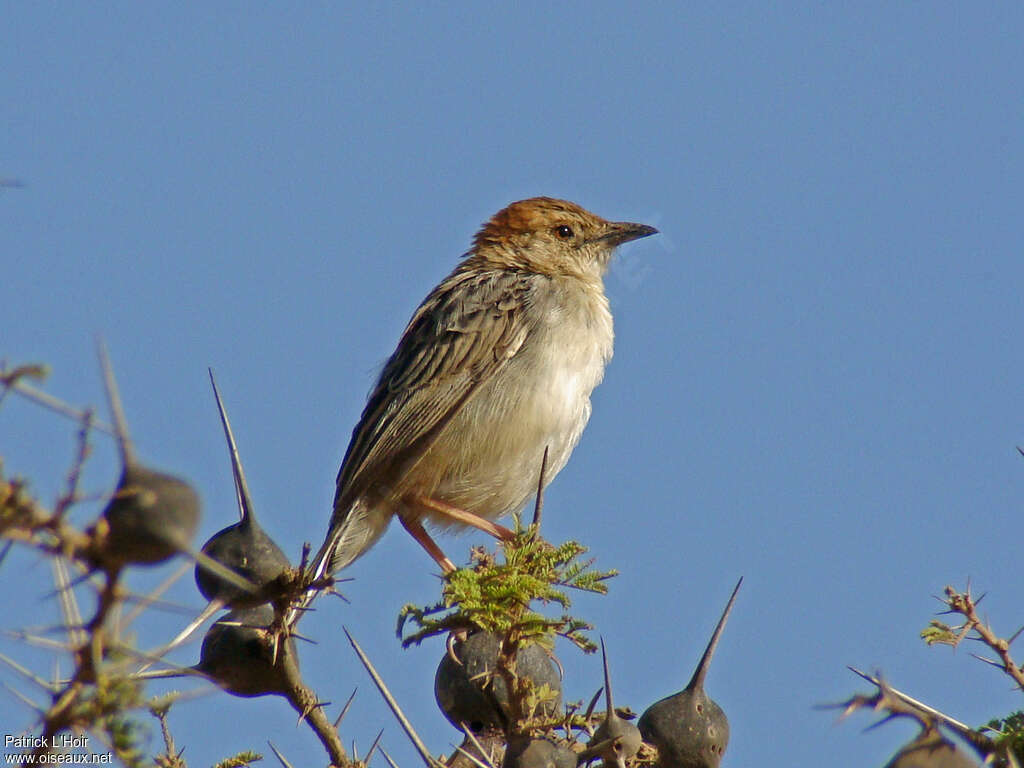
(418, 532)
(467, 518)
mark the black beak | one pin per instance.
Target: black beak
(620, 232)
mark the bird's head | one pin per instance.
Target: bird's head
(552, 237)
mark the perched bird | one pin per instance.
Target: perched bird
(496, 365)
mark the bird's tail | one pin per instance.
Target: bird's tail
(350, 535)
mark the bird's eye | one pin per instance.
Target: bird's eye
(565, 231)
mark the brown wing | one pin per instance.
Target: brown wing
(462, 334)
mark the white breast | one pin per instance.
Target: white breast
(578, 345)
(540, 398)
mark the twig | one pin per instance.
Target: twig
(430, 761)
(171, 757)
(473, 758)
(6, 550)
(304, 701)
(278, 755)
(68, 604)
(373, 747)
(956, 725)
(899, 703)
(70, 494)
(539, 506)
(472, 737)
(487, 754)
(387, 757)
(155, 594)
(28, 674)
(211, 608)
(47, 400)
(25, 700)
(344, 709)
(966, 605)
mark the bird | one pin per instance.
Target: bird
(495, 367)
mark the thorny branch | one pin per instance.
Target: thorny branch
(964, 604)
(894, 703)
(100, 693)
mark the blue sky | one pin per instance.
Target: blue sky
(817, 377)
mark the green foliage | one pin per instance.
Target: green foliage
(104, 708)
(535, 698)
(159, 706)
(1008, 735)
(496, 591)
(240, 760)
(504, 593)
(937, 633)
